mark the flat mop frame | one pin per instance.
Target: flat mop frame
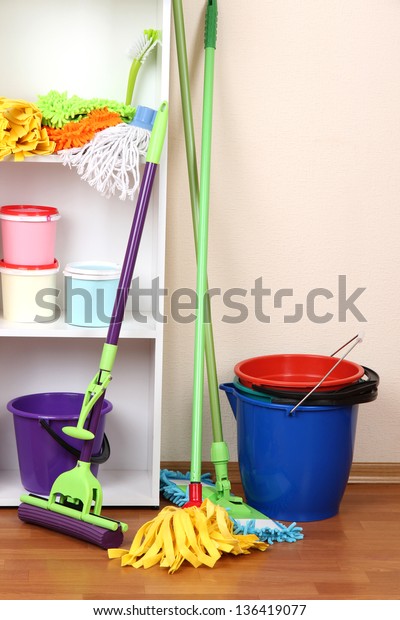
(75, 501)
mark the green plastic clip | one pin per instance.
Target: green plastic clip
(95, 389)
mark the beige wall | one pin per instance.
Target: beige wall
(305, 187)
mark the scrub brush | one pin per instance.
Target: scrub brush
(139, 52)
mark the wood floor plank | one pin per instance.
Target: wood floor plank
(355, 555)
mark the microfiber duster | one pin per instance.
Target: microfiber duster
(78, 133)
(58, 109)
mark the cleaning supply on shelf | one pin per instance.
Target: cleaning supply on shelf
(22, 133)
(172, 486)
(29, 292)
(75, 502)
(90, 290)
(138, 53)
(29, 269)
(110, 162)
(77, 133)
(28, 234)
(58, 109)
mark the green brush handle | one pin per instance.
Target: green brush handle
(133, 73)
(201, 287)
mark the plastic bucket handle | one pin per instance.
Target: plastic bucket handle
(96, 459)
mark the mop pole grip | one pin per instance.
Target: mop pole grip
(210, 31)
(158, 135)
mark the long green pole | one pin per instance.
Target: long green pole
(194, 200)
(202, 240)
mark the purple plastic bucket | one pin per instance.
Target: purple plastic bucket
(41, 459)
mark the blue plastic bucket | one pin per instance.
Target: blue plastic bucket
(293, 467)
(90, 290)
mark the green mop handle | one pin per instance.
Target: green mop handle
(194, 200)
(210, 38)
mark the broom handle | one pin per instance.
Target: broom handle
(201, 281)
(194, 200)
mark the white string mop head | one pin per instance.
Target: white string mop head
(110, 162)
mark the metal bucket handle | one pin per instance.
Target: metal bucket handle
(346, 394)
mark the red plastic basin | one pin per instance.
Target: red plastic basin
(303, 372)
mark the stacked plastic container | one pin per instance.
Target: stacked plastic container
(28, 268)
(90, 290)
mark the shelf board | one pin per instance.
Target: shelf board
(36, 159)
(132, 485)
(120, 488)
(60, 329)
(46, 159)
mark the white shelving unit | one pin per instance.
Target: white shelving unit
(81, 47)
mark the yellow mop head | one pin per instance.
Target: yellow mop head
(198, 535)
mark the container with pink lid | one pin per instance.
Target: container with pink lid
(28, 234)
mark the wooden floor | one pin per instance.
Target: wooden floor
(355, 555)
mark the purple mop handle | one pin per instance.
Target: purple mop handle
(124, 285)
(131, 253)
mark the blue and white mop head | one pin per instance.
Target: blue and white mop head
(267, 530)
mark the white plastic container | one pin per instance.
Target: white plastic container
(28, 234)
(90, 290)
(29, 292)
